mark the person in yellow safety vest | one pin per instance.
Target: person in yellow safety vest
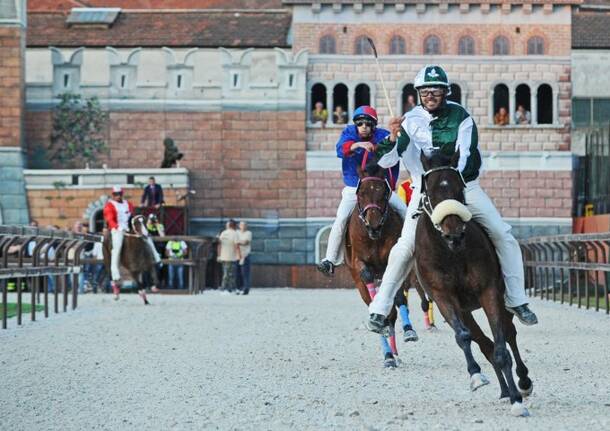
(176, 250)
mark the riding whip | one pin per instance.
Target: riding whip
(385, 91)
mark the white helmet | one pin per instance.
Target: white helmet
(432, 76)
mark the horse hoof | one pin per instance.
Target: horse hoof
(477, 380)
(389, 363)
(432, 328)
(410, 335)
(519, 410)
(526, 392)
(398, 360)
(116, 297)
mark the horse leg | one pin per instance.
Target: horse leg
(492, 305)
(402, 300)
(525, 384)
(486, 346)
(462, 335)
(141, 288)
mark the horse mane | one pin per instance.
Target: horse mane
(437, 159)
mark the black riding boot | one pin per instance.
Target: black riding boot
(524, 314)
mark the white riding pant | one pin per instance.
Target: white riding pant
(115, 256)
(485, 213)
(347, 205)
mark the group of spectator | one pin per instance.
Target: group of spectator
(522, 116)
(233, 252)
(320, 115)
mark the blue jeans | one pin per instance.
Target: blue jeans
(245, 274)
(172, 271)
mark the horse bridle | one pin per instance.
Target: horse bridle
(383, 211)
(424, 204)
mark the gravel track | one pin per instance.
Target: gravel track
(284, 359)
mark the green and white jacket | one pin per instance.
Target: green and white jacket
(453, 128)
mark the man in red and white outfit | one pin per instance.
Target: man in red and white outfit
(117, 213)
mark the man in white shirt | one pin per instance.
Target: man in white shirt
(228, 255)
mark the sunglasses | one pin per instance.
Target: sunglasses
(437, 92)
(363, 123)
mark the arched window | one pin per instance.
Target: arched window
(535, 46)
(456, 94)
(409, 98)
(327, 45)
(500, 98)
(362, 46)
(523, 98)
(340, 104)
(362, 96)
(318, 96)
(466, 46)
(545, 104)
(500, 46)
(432, 45)
(397, 46)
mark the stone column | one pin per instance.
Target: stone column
(511, 104)
(13, 199)
(534, 105)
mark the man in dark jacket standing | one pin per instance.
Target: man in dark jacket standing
(153, 194)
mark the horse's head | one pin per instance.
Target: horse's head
(443, 197)
(138, 225)
(372, 194)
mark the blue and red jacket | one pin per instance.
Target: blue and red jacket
(353, 159)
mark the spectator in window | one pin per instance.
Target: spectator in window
(228, 256)
(153, 194)
(319, 114)
(409, 104)
(339, 116)
(245, 246)
(176, 250)
(501, 117)
(522, 116)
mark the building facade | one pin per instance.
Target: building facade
(235, 88)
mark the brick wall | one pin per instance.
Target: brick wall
(516, 194)
(64, 207)
(242, 164)
(11, 86)
(557, 37)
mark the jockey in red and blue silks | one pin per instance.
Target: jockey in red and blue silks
(355, 141)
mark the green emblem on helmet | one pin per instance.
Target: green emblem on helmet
(431, 76)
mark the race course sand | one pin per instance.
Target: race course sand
(284, 359)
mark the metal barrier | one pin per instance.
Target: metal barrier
(26, 255)
(569, 268)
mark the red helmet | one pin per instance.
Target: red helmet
(117, 190)
(367, 112)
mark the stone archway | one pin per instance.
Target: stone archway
(93, 210)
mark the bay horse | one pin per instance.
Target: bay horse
(136, 255)
(372, 230)
(458, 267)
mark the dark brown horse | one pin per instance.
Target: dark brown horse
(373, 229)
(458, 267)
(136, 255)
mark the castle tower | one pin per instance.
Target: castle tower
(13, 202)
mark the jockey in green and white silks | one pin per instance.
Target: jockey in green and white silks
(447, 126)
